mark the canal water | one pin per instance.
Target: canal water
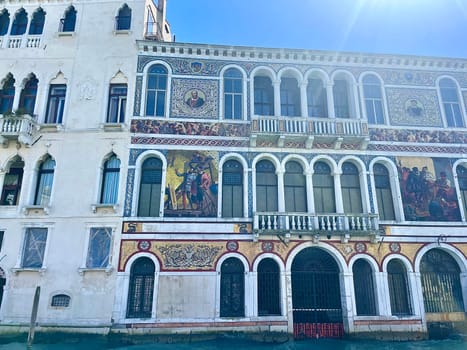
(239, 344)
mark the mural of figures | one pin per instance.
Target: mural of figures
(427, 190)
(191, 184)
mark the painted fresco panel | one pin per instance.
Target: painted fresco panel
(191, 189)
(194, 98)
(414, 107)
(428, 191)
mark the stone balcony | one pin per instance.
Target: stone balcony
(20, 41)
(20, 128)
(344, 225)
(333, 132)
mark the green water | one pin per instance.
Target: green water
(239, 344)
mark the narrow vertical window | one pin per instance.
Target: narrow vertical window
(12, 183)
(323, 189)
(383, 193)
(150, 188)
(266, 187)
(398, 289)
(110, 179)
(269, 288)
(55, 104)
(156, 91)
(340, 91)
(45, 178)
(462, 179)
(295, 188)
(451, 104)
(141, 289)
(364, 288)
(37, 23)
(123, 20)
(264, 96)
(233, 94)
(27, 99)
(232, 293)
(317, 99)
(351, 193)
(232, 189)
(117, 103)
(290, 97)
(4, 22)
(99, 247)
(34, 248)
(68, 22)
(373, 97)
(20, 22)
(7, 95)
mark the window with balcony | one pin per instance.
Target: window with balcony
(98, 256)
(266, 187)
(232, 189)
(323, 189)
(290, 97)
(264, 96)
(68, 22)
(12, 182)
(117, 103)
(123, 20)
(232, 293)
(35, 239)
(37, 23)
(45, 178)
(233, 94)
(156, 91)
(340, 92)
(7, 95)
(372, 94)
(269, 296)
(351, 192)
(28, 95)
(399, 294)
(20, 22)
(451, 104)
(4, 22)
(55, 104)
(384, 197)
(150, 188)
(317, 99)
(295, 188)
(110, 180)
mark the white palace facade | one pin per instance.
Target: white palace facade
(150, 186)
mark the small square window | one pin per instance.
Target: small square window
(60, 300)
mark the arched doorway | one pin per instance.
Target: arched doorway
(141, 289)
(440, 275)
(316, 296)
(232, 302)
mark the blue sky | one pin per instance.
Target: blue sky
(412, 27)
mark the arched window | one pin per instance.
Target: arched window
(364, 288)
(150, 188)
(317, 98)
(266, 186)
(123, 20)
(45, 178)
(110, 178)
(264, 96)
(451, 104)
(37, 22)
(7, 95)
(290, 97)
(233, 94)
(60, 300)
(295, 188)
(27, 99)
(4, 22)
(232, 293)
(12, 183)
(462, 179)
(68, 22)
(440, 275)
(351, 192)
(383, 192)
(156, 91)
(372, 94)
(398, 289)
(55, 104)
(323, 188)
(20, 23)
(141, 289)
(232, 189)
(341, 95)
(269, 295)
